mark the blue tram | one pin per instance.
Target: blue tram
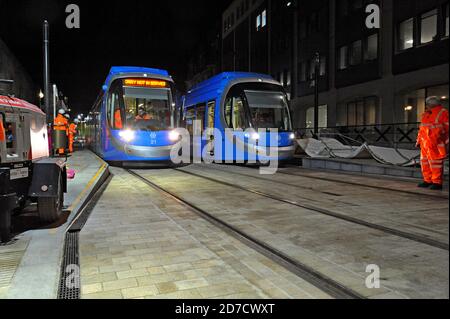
(132, 121)
(253, 107)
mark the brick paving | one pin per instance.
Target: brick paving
(139, 244)
(339, 249)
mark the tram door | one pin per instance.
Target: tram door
(200, 130)
(210, 128)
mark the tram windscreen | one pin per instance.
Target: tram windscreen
(269, 109)
(147, 108)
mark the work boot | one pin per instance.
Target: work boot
(424, 185)
(436, 187)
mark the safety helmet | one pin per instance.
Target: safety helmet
(433, 101)
(67, 116)
(62, 112)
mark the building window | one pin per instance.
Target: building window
(342, 7)
(312, 70)
(302, 72)
(343, 53)
(323, 65)
(361, 112)
(258, 22)
(428, 26)
(371, 49)
(446, 20)
(263, 19)
(406, 34)
(356, 53)
(323, 117)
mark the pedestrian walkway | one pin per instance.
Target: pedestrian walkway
(139, 243)
(30, 265)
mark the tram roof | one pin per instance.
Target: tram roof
(217, 84)
(117, 70)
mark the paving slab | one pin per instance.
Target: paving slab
(337, 248)
(170, 252)
(36, 273)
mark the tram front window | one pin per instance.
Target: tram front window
(147, 108)
(268, 110)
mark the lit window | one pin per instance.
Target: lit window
(288, 78)
(312, 69)
(323, 65)
(343, 52)
(258, 22)
(264, 19)
(428, 26)
(371, 50)
(356, 53)
(406, 34)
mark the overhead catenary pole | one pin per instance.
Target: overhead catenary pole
(47, 108)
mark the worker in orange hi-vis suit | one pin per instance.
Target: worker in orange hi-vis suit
(2, 131)
(72, 133)
(433, 140)
(61, 124)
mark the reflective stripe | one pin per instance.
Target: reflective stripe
(439, 116)
(436, 167)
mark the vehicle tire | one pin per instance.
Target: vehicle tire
(50, 208)
(5, 227)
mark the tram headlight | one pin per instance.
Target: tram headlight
(174, 136)
(127, 135)
(292, 136)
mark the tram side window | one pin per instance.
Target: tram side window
(115, 113)
(235, 113)
(190, 117)
(11, 139)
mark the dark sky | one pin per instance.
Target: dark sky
(159, 34)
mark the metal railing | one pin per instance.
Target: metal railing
(398, 135)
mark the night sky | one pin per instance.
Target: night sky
(160, 34)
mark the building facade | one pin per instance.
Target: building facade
(11, 69)
(367, 76)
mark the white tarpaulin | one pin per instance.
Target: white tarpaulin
(332, 148)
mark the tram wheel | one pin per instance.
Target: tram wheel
(50, 208)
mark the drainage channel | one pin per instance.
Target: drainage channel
(315, 278)
(70, 276)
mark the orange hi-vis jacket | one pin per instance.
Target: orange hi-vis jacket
(433, 136)
(61, 123)
(72, 129)
(2, 132)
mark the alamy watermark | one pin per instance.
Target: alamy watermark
(373, 280)
(373, 20)
(73, 20)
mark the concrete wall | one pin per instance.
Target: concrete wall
(11, 69)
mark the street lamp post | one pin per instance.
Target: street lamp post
(46, 71)
(316, 92)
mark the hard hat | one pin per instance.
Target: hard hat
(77, 121)
(67, 116)
(62, 112)
(433, 101)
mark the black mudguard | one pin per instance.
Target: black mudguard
(46, 174)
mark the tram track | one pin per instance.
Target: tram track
(324, 283)
(335, 180)
(385, 229)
